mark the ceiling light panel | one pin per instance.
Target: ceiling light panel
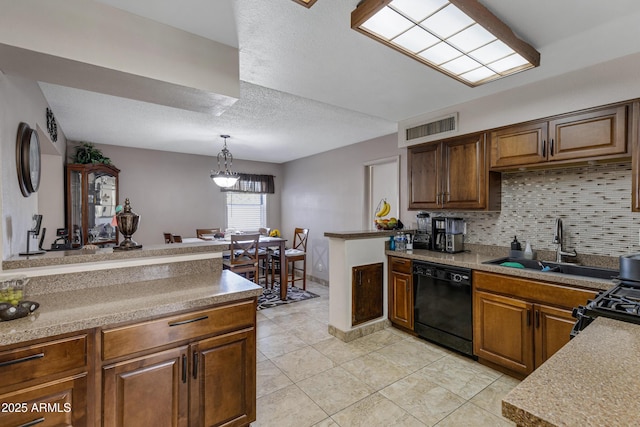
(460, 38)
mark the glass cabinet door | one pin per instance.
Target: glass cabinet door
(102, 207)
(75, 214)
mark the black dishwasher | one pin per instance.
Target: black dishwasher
(443, 305)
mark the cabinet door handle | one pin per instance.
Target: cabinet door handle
(32, 423)
(22, 359)
(184, 368)
(544, 148)
(537, 318)
(195, 365)
(551, 148)
(528, 317)
(184, 322)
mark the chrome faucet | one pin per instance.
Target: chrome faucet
(558, 240)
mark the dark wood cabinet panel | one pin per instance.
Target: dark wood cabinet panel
(519, 145)
(223, 388)
(452, 174)
(150, 390)
(595, 134)
(552, 329)
(367, 292)
(205, 374)
(502, 331)
(401, 292)
(513, 324)
(64, 404)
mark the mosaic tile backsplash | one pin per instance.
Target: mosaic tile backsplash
(594, 203)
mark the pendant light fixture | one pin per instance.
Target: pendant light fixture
(225, 178)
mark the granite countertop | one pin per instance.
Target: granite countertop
(475, 259)
(108, 254)
(594, 380)
(70, 311)
(359, 234)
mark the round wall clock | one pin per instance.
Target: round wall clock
(28, 159)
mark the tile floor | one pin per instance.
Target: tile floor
(306, 377)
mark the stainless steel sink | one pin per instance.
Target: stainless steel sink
(571, 269)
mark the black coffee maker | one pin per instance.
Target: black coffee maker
(439, 233)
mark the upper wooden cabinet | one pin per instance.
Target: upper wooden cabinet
(589, 135)
(452, 174)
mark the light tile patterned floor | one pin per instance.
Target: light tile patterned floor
(307, 377)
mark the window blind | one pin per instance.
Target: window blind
(246, 211)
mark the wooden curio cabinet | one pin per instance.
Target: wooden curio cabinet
(91, 200)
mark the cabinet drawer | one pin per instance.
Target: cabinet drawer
(156, 333)
(400, 265)
(40, 360)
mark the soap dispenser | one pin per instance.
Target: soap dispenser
(528, 252)
(516, 248)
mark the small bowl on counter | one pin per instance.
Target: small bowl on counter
(13, 304)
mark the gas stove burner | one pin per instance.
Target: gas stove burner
(631, 308)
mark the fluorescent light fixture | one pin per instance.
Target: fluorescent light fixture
(460, 38)
(307, 3)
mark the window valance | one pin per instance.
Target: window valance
(251, 183)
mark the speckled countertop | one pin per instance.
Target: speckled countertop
(594, 380)
(108, 254)
(70, 311)
(475, 259)
(359, 234)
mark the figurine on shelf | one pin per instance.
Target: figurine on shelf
(127, 224)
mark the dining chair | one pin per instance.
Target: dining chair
(177, 238)
(206, 233)
(264, 258)
(168, 237)
(298, 252)
(243, 255)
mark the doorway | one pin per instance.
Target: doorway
(382, 181)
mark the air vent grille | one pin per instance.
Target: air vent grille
(447, 124)
(419, 130)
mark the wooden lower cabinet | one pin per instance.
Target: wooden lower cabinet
(503, 332)
(203, 379)
(60, 402)
(400, 292)
(150, 390)
(47, 383)
(223, 380)
(517, 323)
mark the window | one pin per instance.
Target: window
(246, 211)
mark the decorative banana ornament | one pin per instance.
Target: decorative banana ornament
(383, 208)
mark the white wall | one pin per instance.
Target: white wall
(326, 192)
(21, 100)
(173, 193)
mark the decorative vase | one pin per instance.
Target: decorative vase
(127, 221)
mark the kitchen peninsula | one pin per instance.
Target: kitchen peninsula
(357, 306)
(111, 322)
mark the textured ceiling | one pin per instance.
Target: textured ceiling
(311, 84)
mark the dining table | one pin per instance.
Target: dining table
(264, 242)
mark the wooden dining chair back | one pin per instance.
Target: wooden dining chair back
(177, 239)
(206, 233)
(297, 253)
(243, 255)
(168, 238)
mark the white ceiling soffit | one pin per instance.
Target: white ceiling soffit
(359, 86)
(264, 124)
